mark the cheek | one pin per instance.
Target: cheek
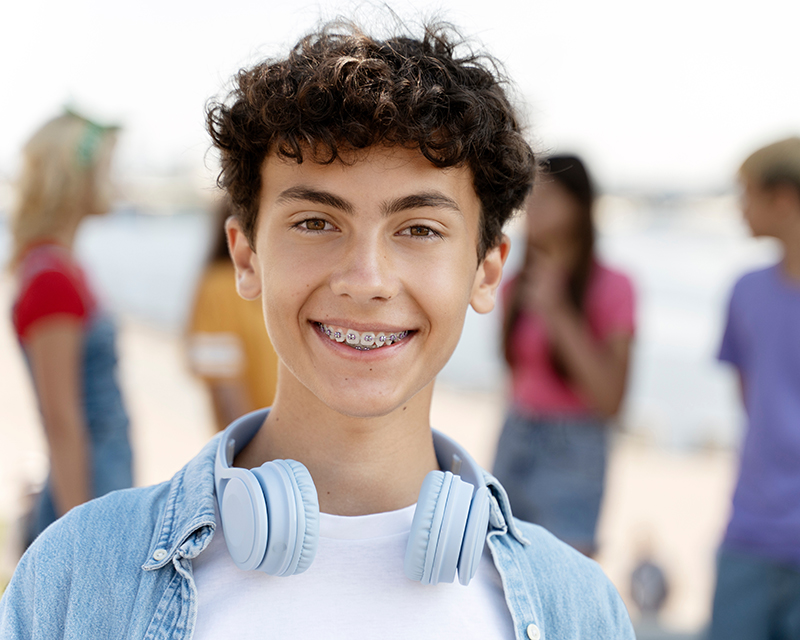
(446, 294)
(543, 223)
(753, 214)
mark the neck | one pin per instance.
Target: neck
(791, 245)
(66, 237)
(360, 465)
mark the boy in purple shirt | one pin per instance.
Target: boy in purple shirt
(758, 581)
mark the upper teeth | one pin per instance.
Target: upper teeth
(362, 339)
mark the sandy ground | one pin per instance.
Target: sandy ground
(672, 502)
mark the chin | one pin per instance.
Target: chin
(362, 408)
(760, 233)
(365, 404)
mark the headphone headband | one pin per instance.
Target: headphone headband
(450, 455)
(235, 437)
(260, 517)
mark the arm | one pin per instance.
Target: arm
(215, 348)
(54, 348)
(734, 338)
(600, 371)
(218, 358)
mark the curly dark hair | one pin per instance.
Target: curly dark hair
(340, 90)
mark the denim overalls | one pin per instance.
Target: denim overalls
(107, 421)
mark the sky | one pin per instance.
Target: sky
(655, 95)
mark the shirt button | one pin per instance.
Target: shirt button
(160, 554)
(533, 632)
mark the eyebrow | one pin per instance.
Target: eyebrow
(316, 196)
(420, 200)
(414, 201)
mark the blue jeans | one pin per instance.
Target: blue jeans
(755, 599)
(553, 470)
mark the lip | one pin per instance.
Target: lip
(361, 327)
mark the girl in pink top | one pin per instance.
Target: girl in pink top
(566, 337)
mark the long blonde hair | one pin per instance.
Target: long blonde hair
(60, 181)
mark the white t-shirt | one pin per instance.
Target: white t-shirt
(355, 588)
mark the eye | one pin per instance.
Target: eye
(314, 225)
(420, 231)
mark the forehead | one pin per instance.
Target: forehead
(547, 193)
(369, 177)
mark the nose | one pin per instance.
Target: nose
(366, 271)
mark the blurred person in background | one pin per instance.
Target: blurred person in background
(758, 568)
(227, 345)
(67, 340)
(567, 334)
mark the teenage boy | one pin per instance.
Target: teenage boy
(372, 180)
(758, 574)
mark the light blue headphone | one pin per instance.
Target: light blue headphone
(270, 515)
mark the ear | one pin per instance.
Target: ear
(248, 277)
(488, 277)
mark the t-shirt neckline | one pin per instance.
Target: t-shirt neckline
(374, 525)
(785, 280)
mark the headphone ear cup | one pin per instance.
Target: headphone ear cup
(243, 512)
(437, 530)
(293, 514)
(424, 532)
(309, 540)
(474, 536)
(451, 535)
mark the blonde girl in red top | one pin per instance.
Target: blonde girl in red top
(67, 341)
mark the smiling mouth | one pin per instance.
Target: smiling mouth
(362, 340)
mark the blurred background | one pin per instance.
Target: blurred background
(663, 101)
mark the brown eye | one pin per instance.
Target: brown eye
(420, 231)
(315, 225)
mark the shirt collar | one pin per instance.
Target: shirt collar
(500, 517)
(188, 518)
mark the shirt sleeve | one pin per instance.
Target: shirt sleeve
(49, 293)
(616, 306)
(623, 318)
(214, 344)
(731, 349)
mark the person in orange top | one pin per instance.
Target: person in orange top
(227, 345)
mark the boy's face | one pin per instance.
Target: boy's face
(768, 211)
(756, 204)
(382, 247)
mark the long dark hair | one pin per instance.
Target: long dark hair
(571, 174)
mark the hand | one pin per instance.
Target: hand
(545, 287)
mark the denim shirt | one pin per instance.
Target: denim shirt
(120, 566)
